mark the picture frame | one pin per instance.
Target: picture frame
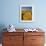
(26, 13)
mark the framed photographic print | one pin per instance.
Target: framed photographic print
(26, 13)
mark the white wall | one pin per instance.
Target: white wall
(10, 12)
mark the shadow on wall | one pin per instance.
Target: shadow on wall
(2, 26)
